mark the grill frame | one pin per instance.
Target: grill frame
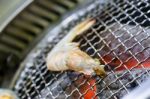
(29, 71)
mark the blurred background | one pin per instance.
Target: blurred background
(23, 23)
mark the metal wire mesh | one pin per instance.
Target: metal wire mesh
(120, 39)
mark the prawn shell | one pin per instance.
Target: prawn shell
(57, 62)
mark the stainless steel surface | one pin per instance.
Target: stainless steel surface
(142, 92)
(120, 39)
(9, 10)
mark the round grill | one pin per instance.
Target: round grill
(119, 39)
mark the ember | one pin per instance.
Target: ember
(87, 87)
(130, 64)
(128, 52)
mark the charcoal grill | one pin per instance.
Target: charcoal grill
(119, 39)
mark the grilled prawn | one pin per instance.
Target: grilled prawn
(66, 55)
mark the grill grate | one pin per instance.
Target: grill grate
(120, 39)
